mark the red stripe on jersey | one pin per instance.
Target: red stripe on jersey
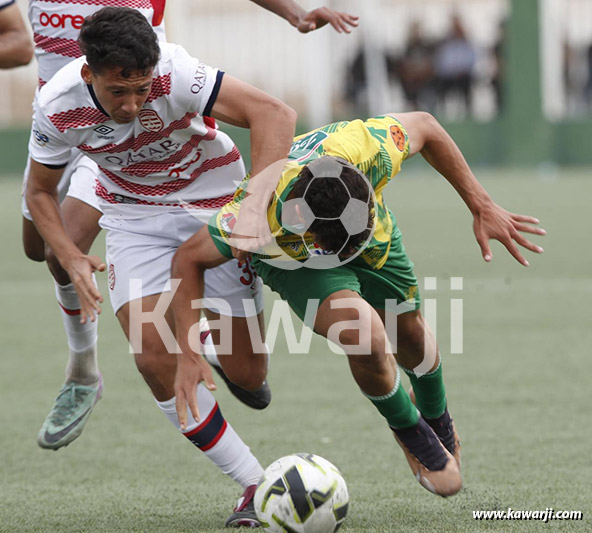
(230, 157)
(145, 138)
(137, 4)
(208, 203)
(57, 45)
(70, 312)
(142, 170)
(77, 118)
(161, 86)
(169, 187)
(158, 6)
(41, 82)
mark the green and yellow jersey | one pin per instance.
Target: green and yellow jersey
(376, 146)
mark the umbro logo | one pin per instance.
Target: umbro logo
(103, 129)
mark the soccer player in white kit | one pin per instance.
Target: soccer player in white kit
(147, 122)
(56, 24)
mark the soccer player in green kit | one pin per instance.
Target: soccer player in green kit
(368, 270)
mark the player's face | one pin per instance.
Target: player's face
(121, 97)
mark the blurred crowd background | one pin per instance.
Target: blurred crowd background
(512, 79)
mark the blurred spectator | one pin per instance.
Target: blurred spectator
(415, 70)
(498, 75)
(355, 84)
(588, 87)
(454, 60)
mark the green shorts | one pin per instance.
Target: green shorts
(382, 288)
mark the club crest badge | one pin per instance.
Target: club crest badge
(398, 137)
(150, 120)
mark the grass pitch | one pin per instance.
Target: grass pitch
(519, 393)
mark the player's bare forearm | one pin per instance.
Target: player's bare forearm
(271, 122)
(490, 221)
(272, 125)
(190, 261)
(16, 48)
(429, 138)
(189, 264)
(306, 21)
(41, 196)
(287, 9)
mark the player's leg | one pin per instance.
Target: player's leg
(139, 255)
(83, 386)
(392, 290)
(375, 372)
(244, 367)
(213, 435)
(373, 367)
(233, 339)
(418, 355)
(33, 243)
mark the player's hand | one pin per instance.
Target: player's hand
(191, 370)
(250, 233)
(80, 269)
(317, 18)
(494, 222)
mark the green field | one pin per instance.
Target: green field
(520, 392)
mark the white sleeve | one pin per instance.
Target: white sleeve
(6, 3)
(198, 83)
(46, 144)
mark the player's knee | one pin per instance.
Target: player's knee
(34, 251)
(249, 377)
(59, 274)
(150, 363)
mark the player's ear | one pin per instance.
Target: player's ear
(86, 74)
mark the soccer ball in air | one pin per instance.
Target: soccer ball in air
(297, 217)
(301, 493)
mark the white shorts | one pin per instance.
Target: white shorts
(143, 249)
(78, 181)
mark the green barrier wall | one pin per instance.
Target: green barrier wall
(520, 137)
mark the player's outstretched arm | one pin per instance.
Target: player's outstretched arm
(490, 221)
(190, 261)
(16, 48)
(306, 21)
(272, 125)
(43, 203)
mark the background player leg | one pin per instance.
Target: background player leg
(82, 388)
(244, 368)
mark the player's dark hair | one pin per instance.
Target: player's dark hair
(327, 197)
(119, 37)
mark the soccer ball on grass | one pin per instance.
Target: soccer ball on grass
(301, 493)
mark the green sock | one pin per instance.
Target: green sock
(430, 394)
(396, 406)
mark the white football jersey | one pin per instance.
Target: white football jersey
(6, 3)
(56, 25)
(170, 156)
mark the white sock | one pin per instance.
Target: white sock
(82, 338)
(217, 439)
(209, 348)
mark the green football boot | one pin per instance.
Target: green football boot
(71, 410)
